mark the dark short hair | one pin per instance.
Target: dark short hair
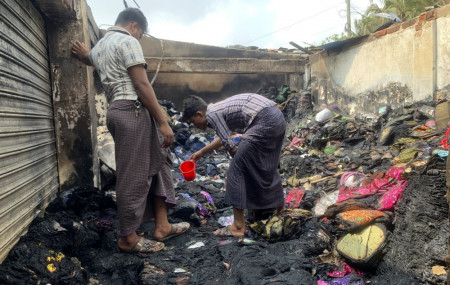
(191, 105)
(130, 15)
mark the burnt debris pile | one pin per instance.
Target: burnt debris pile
(365, 202)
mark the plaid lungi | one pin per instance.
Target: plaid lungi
(253, 180)
(143, 167)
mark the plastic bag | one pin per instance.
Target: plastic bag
(351, 179)
(323, 115)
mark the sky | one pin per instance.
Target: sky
(267, 24)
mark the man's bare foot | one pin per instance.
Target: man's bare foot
(127, 242)
(230, 231)
(142, 245)
(170, 230)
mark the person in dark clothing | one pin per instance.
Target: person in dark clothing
(253, 181)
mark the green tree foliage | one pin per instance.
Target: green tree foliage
(404, 9)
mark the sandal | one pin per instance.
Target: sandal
(184, 226)
(146, 246)
(226, 232)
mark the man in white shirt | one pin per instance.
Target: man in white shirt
(142, 135)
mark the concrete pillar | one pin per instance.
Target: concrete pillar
(73, 94)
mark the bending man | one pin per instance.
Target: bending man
(253, 180)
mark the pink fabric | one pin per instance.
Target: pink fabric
(347, 280)
(343, 270)
(381, 183)
(295, 143)
(367, 190)
(431, 124)
(294, 198)
(395, 172)
(390, 198)
(347, 193)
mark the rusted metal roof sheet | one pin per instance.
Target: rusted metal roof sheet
(28, 164)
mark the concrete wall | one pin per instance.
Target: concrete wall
(213, 73)
(443, 49)
(216, 73)
(152, 47)
(212, 87)
(404, 63)
(72, 87)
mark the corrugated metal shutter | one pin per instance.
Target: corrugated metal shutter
(28, 163)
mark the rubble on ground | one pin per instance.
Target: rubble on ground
(365, 203)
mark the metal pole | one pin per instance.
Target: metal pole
(349, 21)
